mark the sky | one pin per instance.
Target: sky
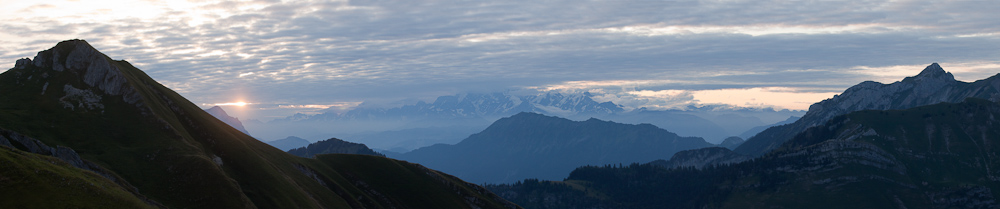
(268, 59)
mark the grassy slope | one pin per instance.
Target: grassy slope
(38, 181)
(168, 151)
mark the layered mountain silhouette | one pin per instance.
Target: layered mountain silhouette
(936, 156)
(449, 119)
(406, 140)
(476, 105)
(731, 142)
(531, 145)
(115, 116)
(679, 122)
(755, 130)
(288, 143)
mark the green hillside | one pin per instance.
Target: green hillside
(115, 115)
(37, 181)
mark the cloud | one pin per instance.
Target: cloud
(323, 52)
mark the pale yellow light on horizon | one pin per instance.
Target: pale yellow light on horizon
(781, 97)
(241, 104)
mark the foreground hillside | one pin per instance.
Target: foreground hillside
(34, 180)
(177, 155)
(937, 156)
(530, 145)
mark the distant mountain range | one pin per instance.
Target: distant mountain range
(234, 122)
(488, 106)
(756, 130)
(81, 130)
(451, 118)
(531, 145)
(405, 140)
(936, 156)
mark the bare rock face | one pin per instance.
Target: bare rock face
(933, 85)
(96, 69)
(79, 98)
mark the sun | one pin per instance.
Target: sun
(240, 103)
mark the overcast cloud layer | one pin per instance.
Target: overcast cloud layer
(658, 54)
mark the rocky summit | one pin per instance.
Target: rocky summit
(96, 69)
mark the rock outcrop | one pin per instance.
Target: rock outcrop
(96, 69)
(21, 63)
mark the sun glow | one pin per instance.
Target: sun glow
(241, 104)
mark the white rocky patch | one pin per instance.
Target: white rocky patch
(80, 98)
(217, 160)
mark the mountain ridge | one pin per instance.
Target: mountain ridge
(531, 145)
(933, 85)
(474, 105)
